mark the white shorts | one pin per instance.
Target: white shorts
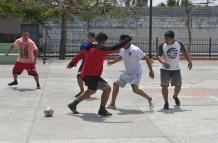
(132, 79)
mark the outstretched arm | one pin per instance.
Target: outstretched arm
(10, 49)
(114, 61)
(76, 59)
(115, 47)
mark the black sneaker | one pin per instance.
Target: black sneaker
(72, 107)
(176, 100)
(38, 86)
(13, 83)
(166, 106)
(104, 112)
(77, 95)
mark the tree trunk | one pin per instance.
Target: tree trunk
(188, 25)
(62, 51)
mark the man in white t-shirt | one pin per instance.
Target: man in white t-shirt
(168, 54)
(131, 55)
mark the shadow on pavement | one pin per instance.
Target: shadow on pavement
(172, 110)
(92, 117)
(129, 111)
(23, 89)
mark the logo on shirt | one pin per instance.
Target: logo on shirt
(172, 53)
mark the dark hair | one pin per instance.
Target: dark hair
(124, 37)
(101, 37)
(169, 34)
(91, 34)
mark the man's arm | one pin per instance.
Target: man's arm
(159, 56)
(186, 55)
(111, 49)
(114, 61)
(10, 49)
(148, 61)
(76, 59)
(35, 52)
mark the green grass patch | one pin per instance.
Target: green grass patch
(5, 46)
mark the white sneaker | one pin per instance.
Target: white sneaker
(151, 105)
(111, 107)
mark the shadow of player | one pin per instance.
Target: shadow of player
(173, 110)
(23, 89)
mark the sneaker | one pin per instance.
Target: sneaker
(166, 106)
(38, 86)
(77, 95)
(73, 108)
(13, 83)
(176, 100)
(104, 112)
(111, 107)
(151, 104)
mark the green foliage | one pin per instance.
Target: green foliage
(174, 3)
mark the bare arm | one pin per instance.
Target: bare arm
(35, 52)
(118, 59)
(188, 58)
(10, 49)
(159, 56)
(148, 61)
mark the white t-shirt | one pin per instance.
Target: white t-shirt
(170, 53)
(132, 58)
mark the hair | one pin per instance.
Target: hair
(124, 37)
(91, 34)
(169, 34)
(101, 37)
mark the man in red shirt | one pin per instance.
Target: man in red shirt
(92, 69)
(27, 58)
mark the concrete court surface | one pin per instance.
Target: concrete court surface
(22, 120)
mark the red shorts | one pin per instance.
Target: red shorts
(29, 67)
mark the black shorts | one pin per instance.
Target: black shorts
(95, 82)
(173, 76)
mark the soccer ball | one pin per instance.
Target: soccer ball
(48, 112)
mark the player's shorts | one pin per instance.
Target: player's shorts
(132, 79)
(95, 82)
(29, 67)
(170, 76)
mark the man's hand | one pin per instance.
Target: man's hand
(69, 66)
(109, 63)
(151, 74)
(34, 61)
(190, 65)
(166, 65)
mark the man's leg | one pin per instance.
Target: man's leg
(80, 83)
(136, 90)
(177, 82)
(165, 93)
(37, 81)
(177, 90)
(114, 94)
(18, 69)
(104, 98)
(81, 97)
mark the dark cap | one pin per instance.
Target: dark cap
(101, 37)
(91, 34)
(124, 37)
(169, 34)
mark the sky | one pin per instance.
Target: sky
(215, 2)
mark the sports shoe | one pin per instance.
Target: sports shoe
(104, 112)
(77, 95)
(166, 106)
(111, 107)
(13, 83)
(72, 107)
(151, 104)
(176, 100)
(38, 86)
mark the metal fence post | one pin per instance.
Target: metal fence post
(44, 46)
(210, 42)
(157, 44)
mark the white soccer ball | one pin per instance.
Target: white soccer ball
(48, 112)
